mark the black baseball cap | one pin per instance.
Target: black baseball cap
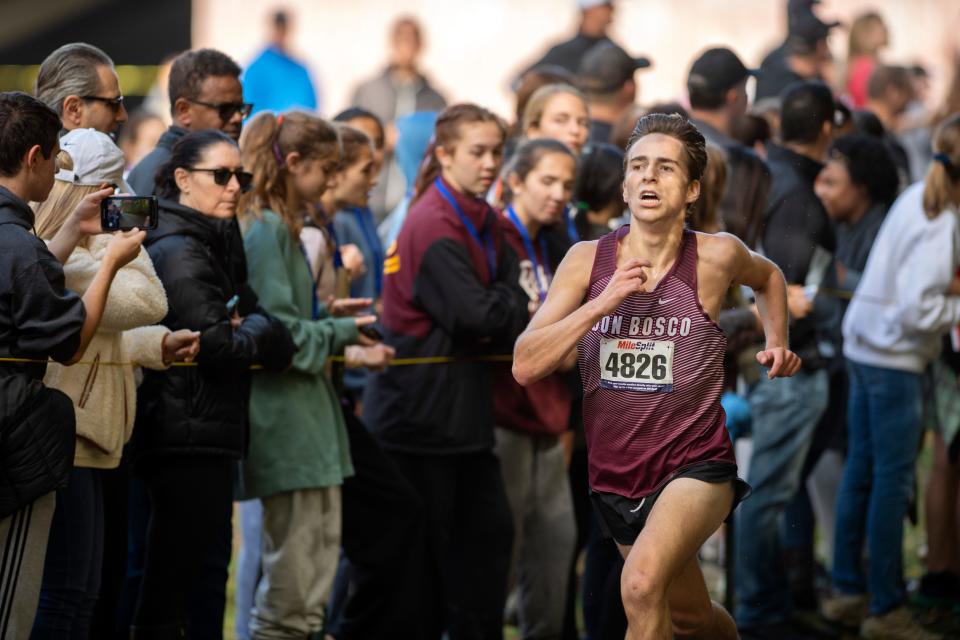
(718, 69)
(805, 30)
(606, 67)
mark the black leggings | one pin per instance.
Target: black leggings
(191, 498)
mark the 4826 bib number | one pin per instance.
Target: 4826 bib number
(628, 365)
(636, 365)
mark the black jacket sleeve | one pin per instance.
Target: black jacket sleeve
(47, 317)
(796, 224)
(197, 300)
(448, 287)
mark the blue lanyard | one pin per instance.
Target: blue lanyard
(337, 258)
(313, 288)
(528, 246)
(486, 243)
(571, 227)
(373, 242)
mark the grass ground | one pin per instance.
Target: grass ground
(914, 547)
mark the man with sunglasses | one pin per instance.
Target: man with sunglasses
(205, 93)
(78, 81)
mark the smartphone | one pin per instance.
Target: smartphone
(122, 213)
(371, 332)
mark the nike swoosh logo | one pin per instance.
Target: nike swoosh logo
(668, 300)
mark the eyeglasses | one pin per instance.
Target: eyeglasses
(227, 109)
(113, 103)
(222, 176)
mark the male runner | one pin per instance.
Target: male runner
(641, 304)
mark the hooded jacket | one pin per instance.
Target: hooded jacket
(203, 409)
(39, 319)
(902, 307)
(440, 299)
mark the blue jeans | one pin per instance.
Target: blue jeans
(71, 575)
(248, 564)
(785, 415)
(884, 436)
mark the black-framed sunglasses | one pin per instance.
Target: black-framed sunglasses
(227, 109)
(222, 176)
(113, 103)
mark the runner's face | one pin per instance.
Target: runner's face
(565, 119)
(546, 190)
(356, 180)
(838, 193)
(656, 185)
(472, 165)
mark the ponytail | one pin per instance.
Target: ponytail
(943, 176)
(430, 170)
(447, 134)
(264, 146)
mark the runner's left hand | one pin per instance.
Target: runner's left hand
(782, 362)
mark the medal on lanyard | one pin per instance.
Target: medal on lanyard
(485, 243)
(528, 246)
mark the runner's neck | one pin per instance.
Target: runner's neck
(659, 246)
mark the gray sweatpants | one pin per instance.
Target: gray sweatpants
(23, 548)
(300, 549)
(538, 490)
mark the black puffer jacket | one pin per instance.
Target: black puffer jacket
(39, 319)
(203, 409)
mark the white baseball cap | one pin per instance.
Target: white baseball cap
(96, 159)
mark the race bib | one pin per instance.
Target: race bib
(636, 365)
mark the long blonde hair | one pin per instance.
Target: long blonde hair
(63, 199)
(265, 142)
(943, 177)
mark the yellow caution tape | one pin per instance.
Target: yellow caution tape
(399, 362)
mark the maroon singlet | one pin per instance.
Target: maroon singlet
(652, 379)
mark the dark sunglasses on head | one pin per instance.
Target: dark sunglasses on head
(113, 103)
(222, 176)
(227, 109)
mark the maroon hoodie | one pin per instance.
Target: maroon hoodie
(439, 299)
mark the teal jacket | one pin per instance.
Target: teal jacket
(298, 437)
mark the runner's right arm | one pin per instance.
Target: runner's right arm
(561, 321)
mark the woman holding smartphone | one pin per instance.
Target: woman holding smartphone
(104, 396)
(192, 421)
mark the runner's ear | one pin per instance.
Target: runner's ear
(693, 191)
